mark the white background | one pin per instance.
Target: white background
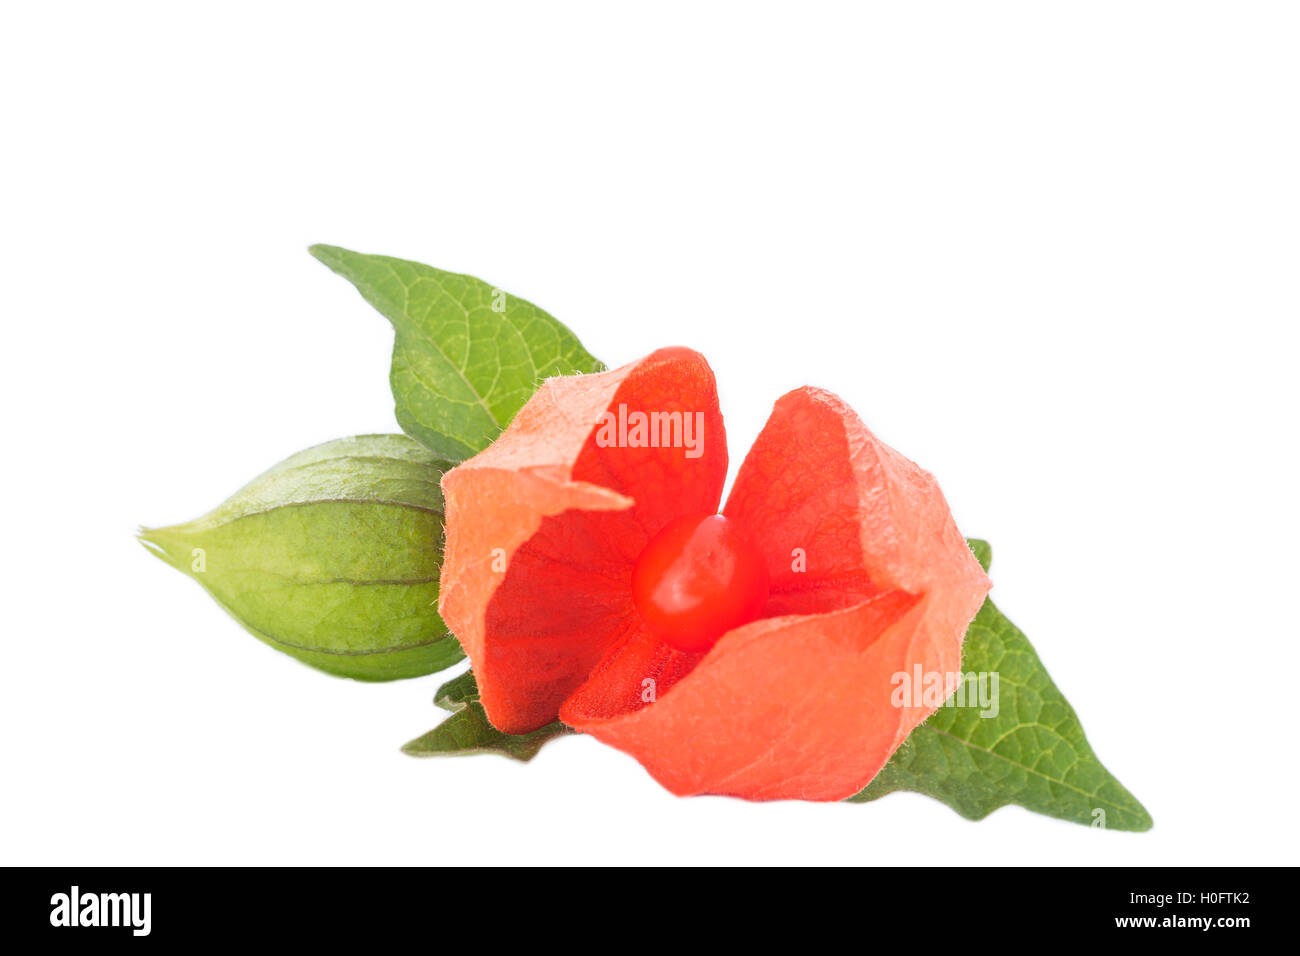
(1047, 251)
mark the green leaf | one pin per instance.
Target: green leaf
(1033, 753)
(983, 552)
(466, 355)
(332, 556)
(457, 693)
(467, 730)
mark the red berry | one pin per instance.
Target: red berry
(698, 578)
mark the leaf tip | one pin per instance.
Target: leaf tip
(168, 545)
(151, 539)
(326, 253)
(1143, 823)
(142, 534)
